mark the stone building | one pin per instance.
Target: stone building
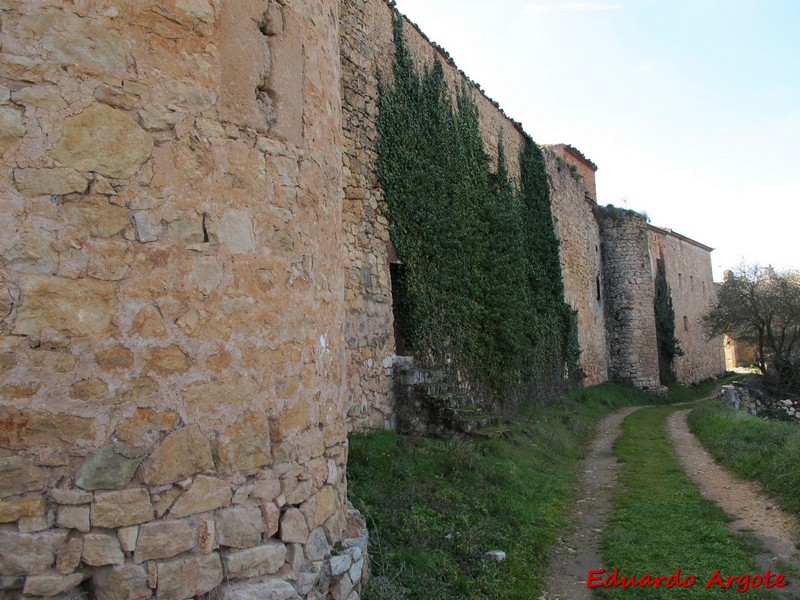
(195, 290)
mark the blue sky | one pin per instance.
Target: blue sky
(690, 108)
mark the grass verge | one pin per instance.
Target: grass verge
(753, 448)
(661, 523)
(434, 507)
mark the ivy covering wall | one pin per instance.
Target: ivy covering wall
(480, 285)
(668, 346)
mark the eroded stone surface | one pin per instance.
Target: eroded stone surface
(29, 553)
(187, 577)
(182, 454)
(122, 508)
(105, 140)
(164, 539)
(205, 493)
(14, 510)
(254, 562)
(19, 475)
(46, 182)
(102, 549)
(239, 526)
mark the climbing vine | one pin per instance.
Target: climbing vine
(668, 346)
(480, 288)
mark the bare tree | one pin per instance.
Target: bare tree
(761, 306)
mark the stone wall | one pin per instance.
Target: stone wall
(172, 405)
(628, 296)
(687, 266)
(581, 265)
(367, 52)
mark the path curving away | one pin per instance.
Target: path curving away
(752, 510)
(579, 552)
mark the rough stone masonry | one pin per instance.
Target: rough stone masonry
(172, 407)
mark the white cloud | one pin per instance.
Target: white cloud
(540, 7)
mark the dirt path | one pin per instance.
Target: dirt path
(753, 511)
(579, 552)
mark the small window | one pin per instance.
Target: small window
(704, 289)
(691, 282)
(597, 284)
(686, 323)
(680, 281)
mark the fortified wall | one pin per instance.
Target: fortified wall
(173, 414)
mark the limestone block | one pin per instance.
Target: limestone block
(97, 217)
(69, 556)
(295, 556)
(146, 426)
(254, 562)
(293, 527)
(317, 547)
(267, 488)
(295, 417)
(12, 127)
(70, 306)
(39, 523)
(147, 323)
(74, 517)
(105, 140)
(235, 230)
(146, 231)
(164, 539)
(49, 182)
(115, 357)
(239, 526)
(271, 515)
(60, 362)
(269, 589)
(29, 429)
(186, 229)
(245, 446)
(205, 493)
(111, 468)
(326, 505)
(33, 253)
(14, 510)
(163, 501)
(127, 582)
(19, 475)
(167, 361)
(182, 454)
(73, 40)
(188, 577)
(206, 273)
(217, 398)
(135, 390)
(122, 508)
(51, 584)
(109, 259)
(102, 549)
(29, 553)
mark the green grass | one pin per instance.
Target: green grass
(434, 507)
(661, 523)
(753, 448)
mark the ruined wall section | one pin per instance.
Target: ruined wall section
(172, 408)
(581, 265)
(367, 53)
(688, 270)
(628, 296)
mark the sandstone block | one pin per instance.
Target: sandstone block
(164, 500)
(122, 508)
(205, 493)
(12, 127)
(188, 577)
(268, 488)
(33, 253)
(70, 306)
(134, 390)
(102, 549)
(295, 556)
(293, 527)
(167, 361)
(213, 399)
(269, 589)
(164, 539)
(296, 417)
(182, 454)
(19, 475)
(29, 553)
(239, 526)
(254, 562)
(126, 582)
(111, 468)
(14, 510)
(146, 426)
(89, 389)
(69, 556)
(45, 96)
(105, 140)
(60, 362)
(73, 40)
(245, 446)
(74, 517)
(186, 229)
(51, 584)
(62, 496)
(116, 357)
(127, 538)
(49, 182)
(96, 216)
(326, 505)
(147, 323)
(271, 515)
